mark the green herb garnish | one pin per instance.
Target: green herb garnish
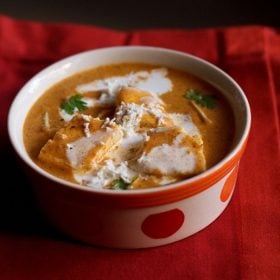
(72, 103)
(120, 184)
(200, 99)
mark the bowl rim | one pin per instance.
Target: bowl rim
(229, 161)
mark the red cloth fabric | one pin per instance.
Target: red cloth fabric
(243, 243)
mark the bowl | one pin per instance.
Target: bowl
(139, 218)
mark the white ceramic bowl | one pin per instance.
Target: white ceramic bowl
(138, 218)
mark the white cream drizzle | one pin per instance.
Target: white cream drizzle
(106, 175)
(128, 148)
(168, 160)
(186, 122)
(78, 150)
(155, 82)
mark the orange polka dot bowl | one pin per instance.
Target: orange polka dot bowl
(137, 218)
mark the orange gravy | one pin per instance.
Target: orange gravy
(217, 136)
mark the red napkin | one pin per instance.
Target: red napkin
(243, 243)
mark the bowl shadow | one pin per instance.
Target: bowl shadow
(19, 213)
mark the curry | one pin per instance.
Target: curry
(129, 126)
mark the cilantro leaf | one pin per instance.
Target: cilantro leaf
(120, 184)
(72, 103)
(200, 99)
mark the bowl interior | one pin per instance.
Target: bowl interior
(69, 66)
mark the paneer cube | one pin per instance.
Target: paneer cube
(80, 144)
(169, 151)
(154, 113)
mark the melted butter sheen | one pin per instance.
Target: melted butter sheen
(168, 85)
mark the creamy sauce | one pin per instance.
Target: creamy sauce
(154, 81)
(140, 155)
(106, 174)
(165, 159)
(77, 150)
